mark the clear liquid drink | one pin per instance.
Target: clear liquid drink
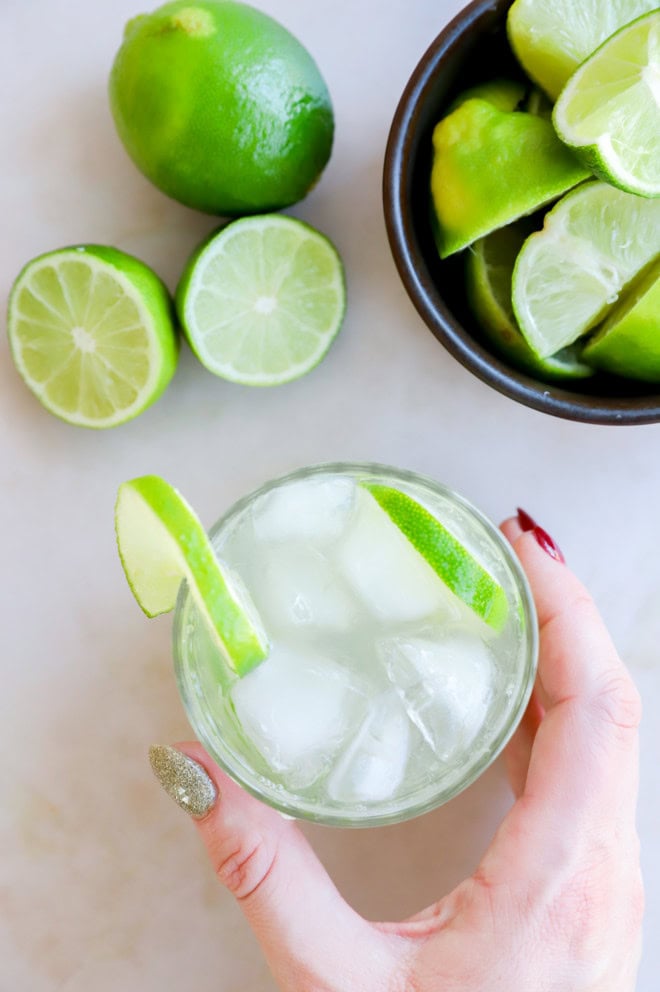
(383, 694)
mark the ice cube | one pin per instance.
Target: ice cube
(372, 767)
(314, 510)
(298, 587)
(445, 684)
(389, 575)
(297, 710)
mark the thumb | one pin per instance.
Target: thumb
(310, 936)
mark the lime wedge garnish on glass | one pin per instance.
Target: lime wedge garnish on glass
(262, 300)
(491, 167)
(567, 276)
(449, 559)
(609, 111)
(488, 269)
(92, 335)
(628, 343)
(552, 37)
(161, 542)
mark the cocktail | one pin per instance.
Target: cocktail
(401, 638)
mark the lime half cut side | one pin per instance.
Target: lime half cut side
(551, 38)
(489, 268)
(609, 111)
(594, 242)
(262, 301)
(449, 559)
(92, 335)
(161, 542)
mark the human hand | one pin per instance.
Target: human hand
(555, 904)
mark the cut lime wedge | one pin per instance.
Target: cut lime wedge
(505, 94)
(161, 542)
(609, 111)
(628, 343)
(92, 335)
(448, 558)
(262, 301)
(489, 268)
(593, 244)
(491, 167)
(552, 37)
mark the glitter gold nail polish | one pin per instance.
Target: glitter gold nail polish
(183, 779)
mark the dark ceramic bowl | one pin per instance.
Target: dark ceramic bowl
(473, 48)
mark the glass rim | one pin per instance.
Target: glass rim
(209, 732)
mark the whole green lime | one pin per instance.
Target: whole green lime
(221, 107)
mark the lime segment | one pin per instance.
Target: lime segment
(448, 558)
(628, 343)
(161, 542)
(505, 94)
(552, 37)
(491, 167)
(593, 244)
(489, 269)
(92, 335)
(609, 111)
(263, 300)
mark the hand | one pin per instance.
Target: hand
(556, 902)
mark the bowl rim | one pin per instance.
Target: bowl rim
(421, 288)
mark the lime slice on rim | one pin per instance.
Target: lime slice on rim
(628, 343)
(552, 37)
(593, 244)
(448, 558)
(488, 270)
(262, 301)
(92, 335)
(491, 167)
(609, 111)
(161, 542)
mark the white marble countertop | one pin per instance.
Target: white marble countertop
(103, 884)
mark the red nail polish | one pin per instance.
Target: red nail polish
(526, 522)
(544, 541)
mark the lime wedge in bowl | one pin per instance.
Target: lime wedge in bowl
(609, 111)
(92, 335)
(161, 542)
(628, 343)
(491, 167)
(489, 268)
(449, 559)
(594, 242)
(262, 301)
(551, 38)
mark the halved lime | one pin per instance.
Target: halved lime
(262, 301)
(505, 94)
(628, 343)
(609, 111)
(491, 167)
(567, 276)
(92, 335)
(448, 558)
(488, 269)
(552, 37)
(161, 542)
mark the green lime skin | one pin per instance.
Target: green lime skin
(221, 107)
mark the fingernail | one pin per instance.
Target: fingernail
(550, 547)
(526, 522)
(183, 779)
